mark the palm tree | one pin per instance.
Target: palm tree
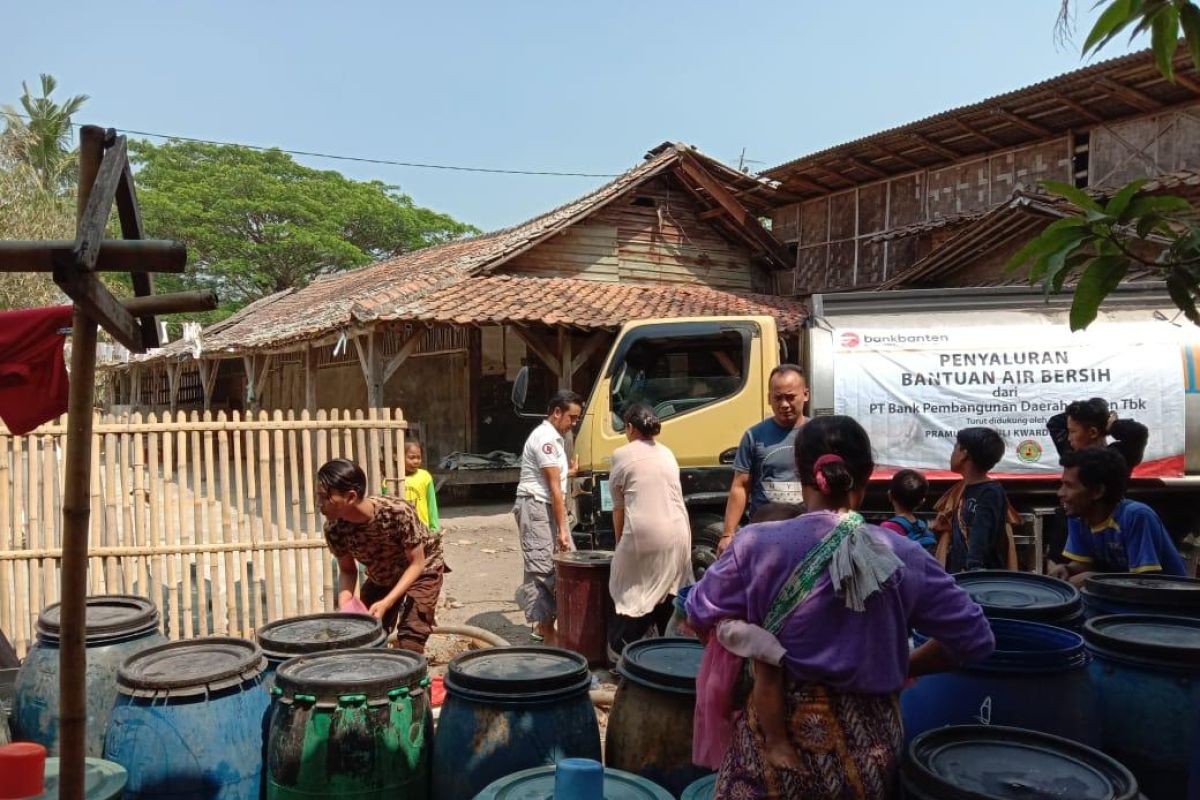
(41, 136)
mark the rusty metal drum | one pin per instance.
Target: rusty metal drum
(584, 604)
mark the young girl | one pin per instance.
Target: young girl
(418, 486)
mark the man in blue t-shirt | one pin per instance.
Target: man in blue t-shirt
(1105, 531)
(764, 470)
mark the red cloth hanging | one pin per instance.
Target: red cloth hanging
(33, 374)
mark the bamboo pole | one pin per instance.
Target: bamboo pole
(22, 585)
(200, 530)
(212, 534)
(171, 532)
(269, 532)
(125, 500)
(157, 514)
(110, 538)
(141, 521)
(310, 525)
(323, 455)
(72, 715)
(37, 586)
(295, 524)
(243, 524)
(185, 531)
(167, 425)
(257, 535)
(224, 532)
(95, 563)
(284, 557)
(7, 534)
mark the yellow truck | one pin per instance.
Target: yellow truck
(913, 367)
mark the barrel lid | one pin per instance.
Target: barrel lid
(518, 673)
(991, 761)
(369, 671)
(1020, 595)
(703, 789)
(585, 558)
(317, 633)
(1174, 640)
(669, 663)
(195, 666)
(1161, 590)
(538, 784)
(102, 780)
(107, 617)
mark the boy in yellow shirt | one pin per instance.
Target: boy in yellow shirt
(418, 486)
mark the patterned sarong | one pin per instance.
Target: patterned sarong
(848, 744)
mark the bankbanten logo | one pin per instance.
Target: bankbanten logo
(1029, 451)
(850, 339)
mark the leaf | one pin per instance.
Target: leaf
(1147, 223)
(1101, 277)
(1164, 41)
(1182, 290)
(1189, 20)
(1115, 17)
(1062, 233)
(1120, 201)
(1159, 204)
(1076, 196)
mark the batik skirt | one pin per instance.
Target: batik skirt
(849, 747)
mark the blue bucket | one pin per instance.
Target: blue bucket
(188, 721)
(1037, 679)
(1146, 669)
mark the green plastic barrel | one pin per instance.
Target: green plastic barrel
(350, 723)
(703, 789)
(538, 784)
(102, 780)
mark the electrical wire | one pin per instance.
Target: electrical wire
(364, 160)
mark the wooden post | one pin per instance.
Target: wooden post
(310, 379)
(368, 348)
(565, 372)
(72, 689)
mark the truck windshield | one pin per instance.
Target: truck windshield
(678, 374)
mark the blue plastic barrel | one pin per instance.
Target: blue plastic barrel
(1022, 595)
(188, 721)
(1147, 674)
(509, 709)
(116, 627)
(1037, 679)
(538, 784)
(966, 762)
(102, 780)
(1120, 593)
(703, 789)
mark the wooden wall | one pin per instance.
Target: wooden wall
(1124, 151)
(652, 235)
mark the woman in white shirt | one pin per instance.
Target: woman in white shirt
(653, 557)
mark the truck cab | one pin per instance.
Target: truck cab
(706, 379)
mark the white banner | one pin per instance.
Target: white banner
(914, 389)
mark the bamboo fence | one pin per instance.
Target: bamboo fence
(211, 516)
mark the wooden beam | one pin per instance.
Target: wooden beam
(1021, 122)
(930, 144)
(544, 353)
(712, 213)
(129, 213)
(100, 306)
(174, 372)
(208, 379)
(870, 169)
(749, 223)
(310, 379)
(94, 222)
(837, 176)
(1128, 95)
(905, 160)
(978, 134)
(76, 513)
(808, 184)
(1186, 82)
(115, 255)
(171, 303)
(407, 348)
(594, 343)
(565, 373)
(1077, 107)
(369, 359)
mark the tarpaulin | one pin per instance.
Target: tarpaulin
(33, 375)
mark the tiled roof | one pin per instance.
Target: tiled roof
(585, 304)
(925, 226)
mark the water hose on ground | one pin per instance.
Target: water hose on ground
(471, 632)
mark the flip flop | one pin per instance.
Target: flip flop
(537, 637)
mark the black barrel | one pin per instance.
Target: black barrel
(1022, 595)
(511, 709)
(972, 762)
(318, 633)
(1129, 593)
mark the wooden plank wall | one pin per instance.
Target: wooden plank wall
(1120, 152)
(652, 235)
(213, 517)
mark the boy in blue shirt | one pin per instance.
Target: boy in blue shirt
(1107, 532)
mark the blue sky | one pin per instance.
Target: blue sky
(568, 86)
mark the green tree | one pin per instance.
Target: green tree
(41, 137)
(256, 222)
(1103, 240)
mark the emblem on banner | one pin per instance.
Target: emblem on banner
(851, 339)
(1029, 451)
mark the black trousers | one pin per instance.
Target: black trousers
(624, 630)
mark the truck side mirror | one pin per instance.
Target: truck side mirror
(520, 390)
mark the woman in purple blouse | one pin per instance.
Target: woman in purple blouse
(841, 597)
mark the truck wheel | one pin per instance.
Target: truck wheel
(706, 535)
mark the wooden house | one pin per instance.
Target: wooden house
(442, 332)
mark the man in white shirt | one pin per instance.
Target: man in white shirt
(541, 510)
